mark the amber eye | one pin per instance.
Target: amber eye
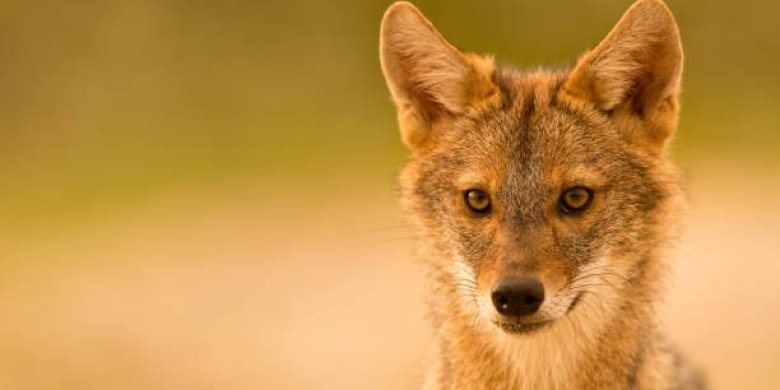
(478, 201)
(575, 199)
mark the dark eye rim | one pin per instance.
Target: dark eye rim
(566, 209)
(473, 209)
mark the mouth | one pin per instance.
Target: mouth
(516, 327)
(521, 328)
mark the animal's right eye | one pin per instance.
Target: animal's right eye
(575, 199)
(477, 200)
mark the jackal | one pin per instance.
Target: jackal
(544, 202)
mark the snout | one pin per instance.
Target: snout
(518, 297)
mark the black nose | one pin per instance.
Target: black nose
(518, 296)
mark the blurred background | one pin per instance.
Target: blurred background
(201, 194)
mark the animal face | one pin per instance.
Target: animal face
(535, 190)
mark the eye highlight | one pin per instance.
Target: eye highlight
(477, 200)
(575, 199)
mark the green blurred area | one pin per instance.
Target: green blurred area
(103, 103)
(199, 194)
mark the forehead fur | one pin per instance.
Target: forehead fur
(530, 126)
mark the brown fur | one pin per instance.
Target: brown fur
(523, 138)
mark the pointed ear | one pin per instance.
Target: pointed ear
(634, 73)
(429, 78)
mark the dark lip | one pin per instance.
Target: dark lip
(518, 328)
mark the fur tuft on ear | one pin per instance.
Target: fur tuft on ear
(428, 77)
(636, 69)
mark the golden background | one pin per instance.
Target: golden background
(201, 194)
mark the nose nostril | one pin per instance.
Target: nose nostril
(531, 301)
(503, 302)
(518, 297)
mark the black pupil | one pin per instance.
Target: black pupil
(577, 197)
(477, 200)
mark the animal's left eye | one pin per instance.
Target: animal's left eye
(575, 199)
(478, 201)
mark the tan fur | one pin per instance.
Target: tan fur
(523, 138)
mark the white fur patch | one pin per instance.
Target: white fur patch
(466, 279)
(546, 359)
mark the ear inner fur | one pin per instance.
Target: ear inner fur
(635, 71)
(430, 80)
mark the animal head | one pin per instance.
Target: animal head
(533, 189)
